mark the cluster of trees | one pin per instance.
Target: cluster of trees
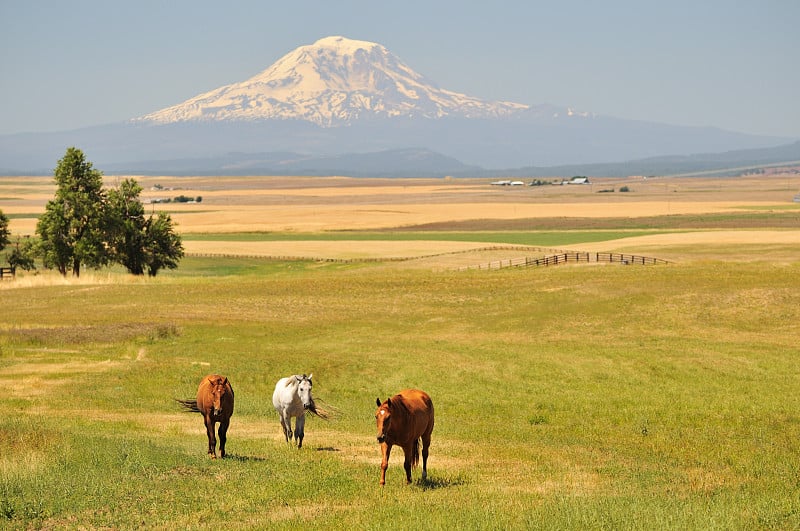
(85, 225)
(180, 199)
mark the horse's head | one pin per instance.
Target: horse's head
(383, 418)
(304, 392)
(218, 388)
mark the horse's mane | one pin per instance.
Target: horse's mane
(397, 400)
(321, 412)
(294, 379)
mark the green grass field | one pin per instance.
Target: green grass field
(572, 397)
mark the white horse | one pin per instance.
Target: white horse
(292, 397)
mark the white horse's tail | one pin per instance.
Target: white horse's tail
(415, 453)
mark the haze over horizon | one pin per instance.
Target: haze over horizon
(710, 64)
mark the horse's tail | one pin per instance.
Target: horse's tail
(415, 453)
(188, 405)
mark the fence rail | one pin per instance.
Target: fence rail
(564, 258)
(7, 273)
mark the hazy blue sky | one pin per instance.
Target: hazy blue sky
(734, 65)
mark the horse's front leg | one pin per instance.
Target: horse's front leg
(212, 440)
(223, 435)
(386, 449)
(286, 424)
(299, 430)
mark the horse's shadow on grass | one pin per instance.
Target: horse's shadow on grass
(439, 482)
(244, 458)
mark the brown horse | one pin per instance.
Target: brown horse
(403, 420)
(215, 402)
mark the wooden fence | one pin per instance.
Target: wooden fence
(7, 273)
(629, 259)
(567, 257)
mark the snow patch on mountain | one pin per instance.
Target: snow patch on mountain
(331, 83)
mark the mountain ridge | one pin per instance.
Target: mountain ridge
(420, 162)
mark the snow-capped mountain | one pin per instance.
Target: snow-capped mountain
(329, 83)
(351, 107)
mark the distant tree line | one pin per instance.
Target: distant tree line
(85, 225)
(179, 199)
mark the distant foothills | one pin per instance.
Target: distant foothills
(425, 163)
(348, 107)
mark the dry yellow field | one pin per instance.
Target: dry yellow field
(315, 204)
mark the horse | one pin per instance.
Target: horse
(404, 420)
(292, 398)
(215, 402)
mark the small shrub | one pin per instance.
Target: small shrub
(537, 420)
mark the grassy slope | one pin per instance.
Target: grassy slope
(603, 397)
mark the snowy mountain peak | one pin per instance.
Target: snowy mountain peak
(343, 45)
(332, 82)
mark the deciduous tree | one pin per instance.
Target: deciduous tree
(164, 245)
(136, 241)
(126, 225)
(23, 254)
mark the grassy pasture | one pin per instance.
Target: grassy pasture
(569, 397)
(566, 397)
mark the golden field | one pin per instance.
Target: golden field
(319, 204)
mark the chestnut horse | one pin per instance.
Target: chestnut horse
(215, 402)
(403, 420)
